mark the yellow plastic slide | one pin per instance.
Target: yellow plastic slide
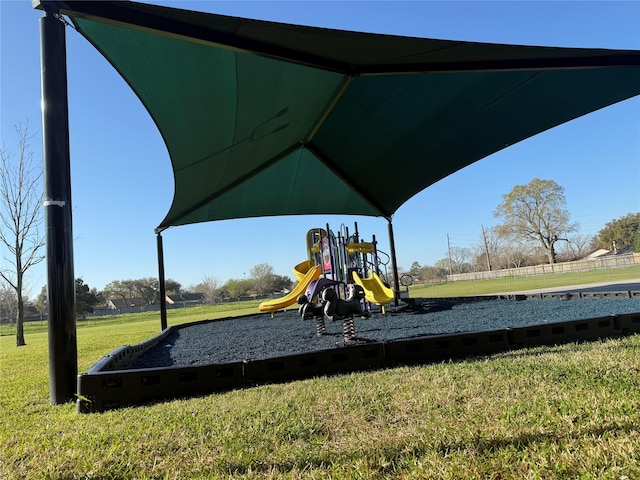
(375, 291)
(301, 269)
(292, 297)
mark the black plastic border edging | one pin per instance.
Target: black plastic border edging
(106, 386)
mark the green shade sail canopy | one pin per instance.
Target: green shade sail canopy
(264, 118)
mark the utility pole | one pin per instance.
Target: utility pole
(486, 247)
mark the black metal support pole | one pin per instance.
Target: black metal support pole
(61, 299)
(396, 281)
(163, 287)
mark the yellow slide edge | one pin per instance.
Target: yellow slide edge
(292, 297)
(375, 291)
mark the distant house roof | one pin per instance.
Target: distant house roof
(171, 299)
(118, 303)
(186, 298)
(598, 253)
(621, 250)
(193, 297)
(602, 252)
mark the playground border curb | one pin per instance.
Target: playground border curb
(108, 385)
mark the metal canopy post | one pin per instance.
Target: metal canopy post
(163, 287)
(61, 301)
(396, 282)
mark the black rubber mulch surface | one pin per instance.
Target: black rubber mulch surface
(261, 336)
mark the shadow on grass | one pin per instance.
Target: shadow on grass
(485, 446)
(623, 343)
(394, 459)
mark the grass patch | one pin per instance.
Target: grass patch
(176, 316)
(556, 412)
(518, 284)
(570, 411)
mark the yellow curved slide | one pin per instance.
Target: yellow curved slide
(301, 269)
(292, 297)
(375, 291)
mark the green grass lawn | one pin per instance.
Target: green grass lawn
(570, 411)
(519, 284)
(174, 317)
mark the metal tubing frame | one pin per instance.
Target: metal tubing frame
(163, 287)
(396, 281)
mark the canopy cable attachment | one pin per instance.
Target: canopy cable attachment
(59, 16)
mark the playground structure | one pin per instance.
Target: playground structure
(340, 279)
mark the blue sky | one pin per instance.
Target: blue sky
(122, 182)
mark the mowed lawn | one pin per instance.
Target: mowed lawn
(524, 283)
(570, 411)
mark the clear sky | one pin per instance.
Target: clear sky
(122, 184)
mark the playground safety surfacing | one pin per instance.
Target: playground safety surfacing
(112, 384)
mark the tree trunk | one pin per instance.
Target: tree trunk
(547, 244)
(20, 342)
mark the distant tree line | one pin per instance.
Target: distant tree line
(262, 281)
(498, 248)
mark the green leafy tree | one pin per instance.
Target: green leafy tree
(415, 269)
(262, 276)
(624, 231)
(432, 274)
(86, 298)
(238, 288)
(123, 289)
(41, 301)
(536, 211)
(280, 282)
(147, 288)
(172, 287)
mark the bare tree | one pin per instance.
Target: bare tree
(20, 218)
(536, 211)
(8, 303)
(461, 258)
(576, 247)
(492, 244)
(517, 253)
(209, 287)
